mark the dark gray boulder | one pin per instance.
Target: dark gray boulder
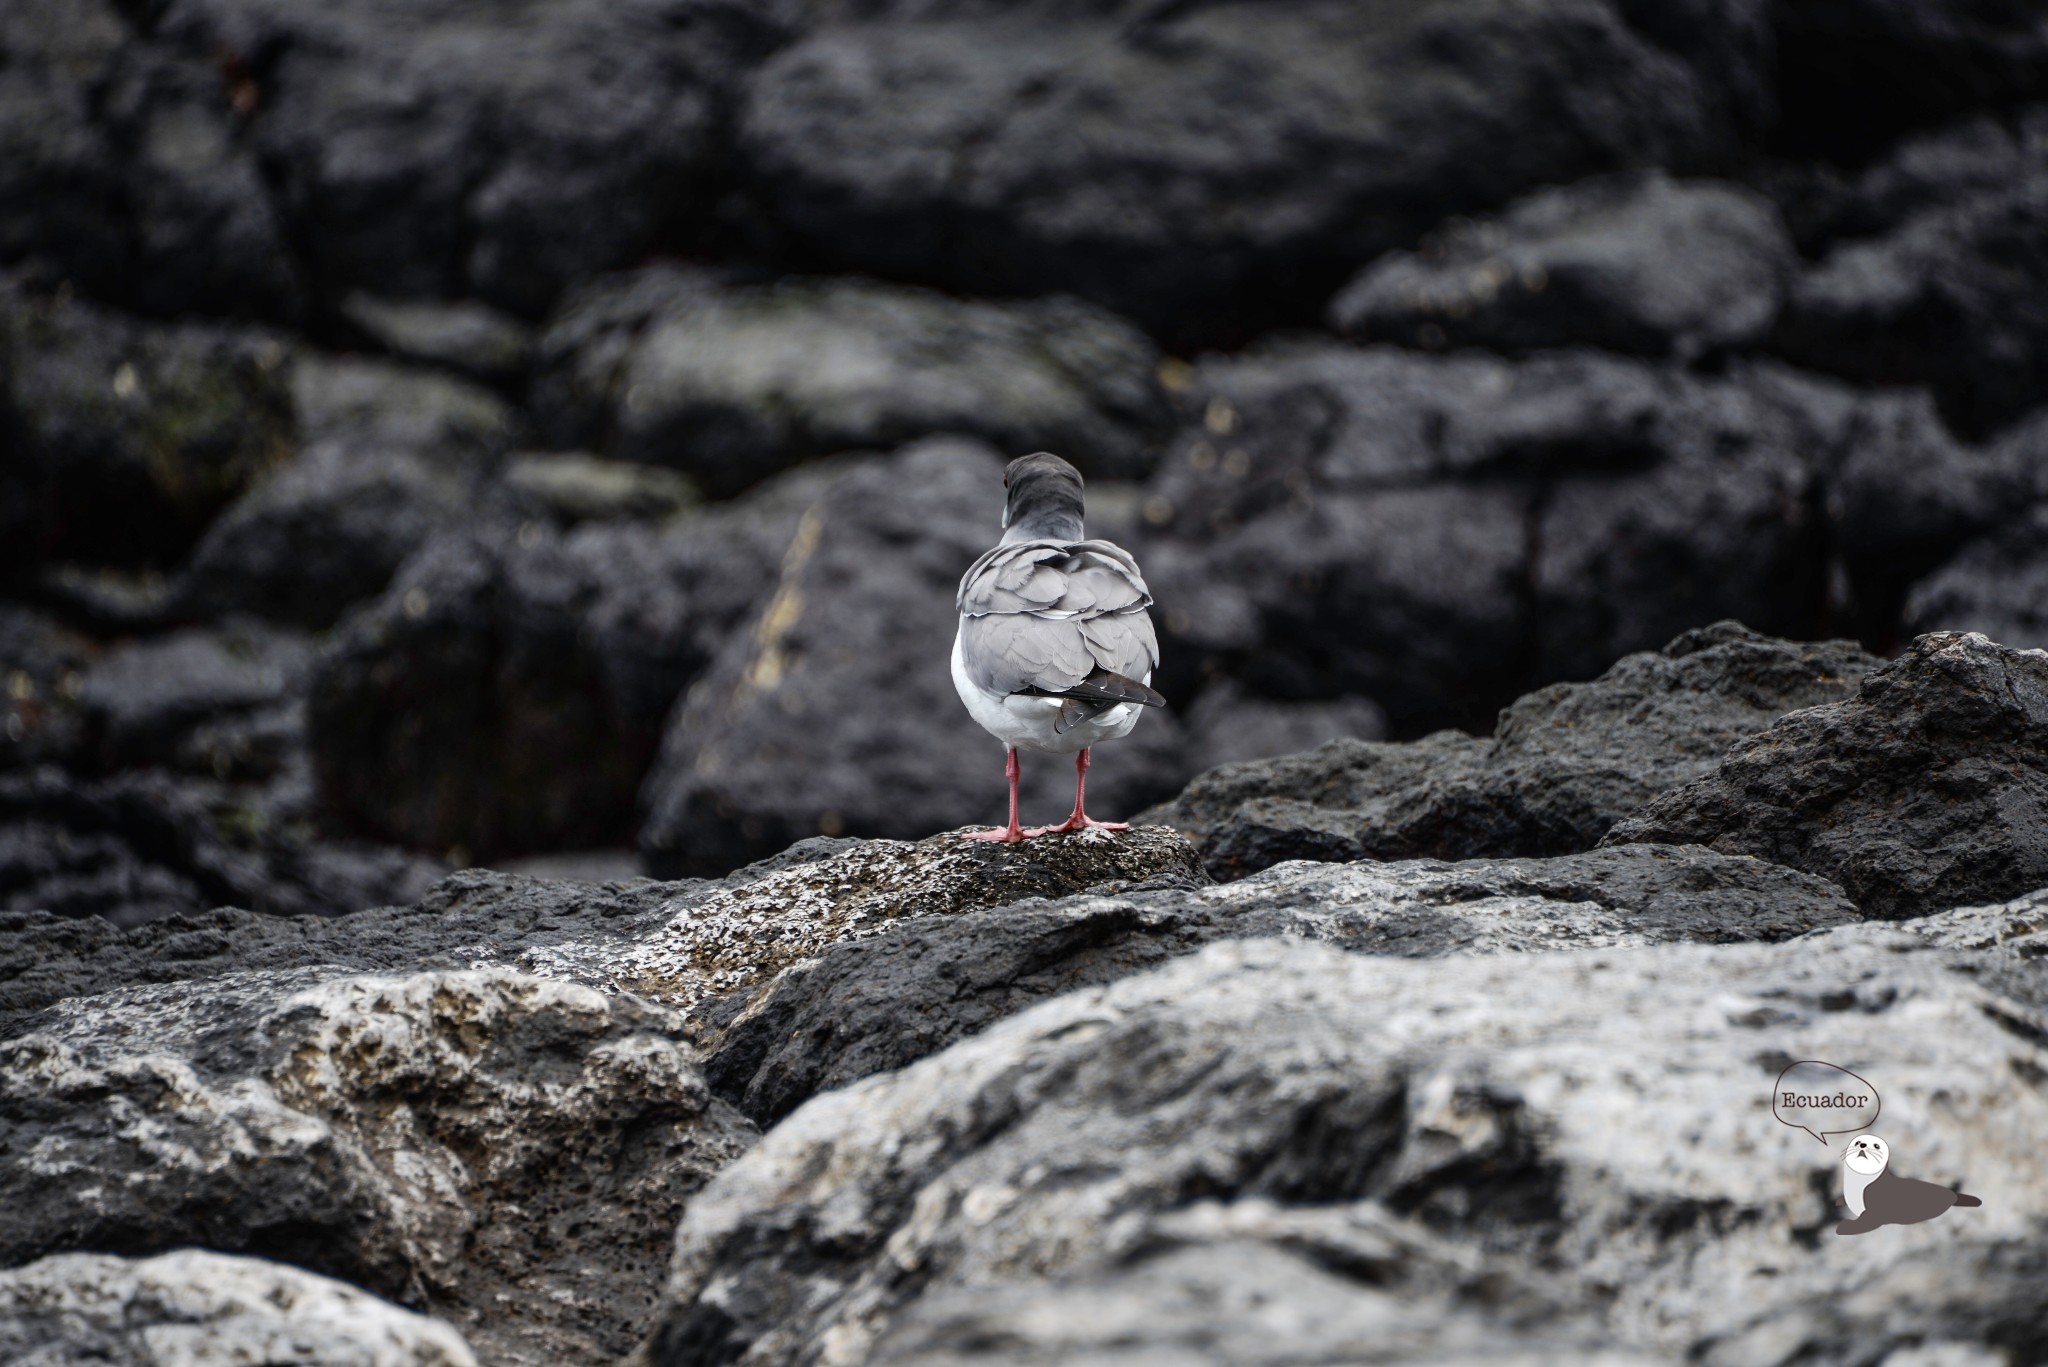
(1637, 263)
(393, 456)
(74, 1309)
(1564, 764)
(1998, 585)
(1951, 298)
(1927, 789)
(1441, 533)
(452, 150)
(834, 711)
(868, 1006)
(123, 168)
(125, 438)
(144, 844)
(730, 381)
(1585, 1133)
(142, 701)
(1204, 168)
(508, 690)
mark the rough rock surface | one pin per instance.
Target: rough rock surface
(868, 1005)
(1563, 765)
(1638, 263)
(506, 1151)
(576, 644)
(1576, 1147)
(1438, 533)
(1197, 163)
(731, 382)
(1927, 789)
(192, 1307)
(583, 931)
(833, 710)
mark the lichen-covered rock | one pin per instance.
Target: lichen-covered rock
(1637, 263)
(869, 1004)
(833, 711)
(192, 1307)
(125, 438)
(1927, 789)
(509, 1152)
(732, 382)
(1587, 1134)
(1564, 764)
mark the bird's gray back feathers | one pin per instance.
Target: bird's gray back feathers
(1041, 616)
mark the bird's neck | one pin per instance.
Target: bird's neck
(1054, 526)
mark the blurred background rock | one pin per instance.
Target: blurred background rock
(437, 431)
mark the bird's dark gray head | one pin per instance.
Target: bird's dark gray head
(1045, 502)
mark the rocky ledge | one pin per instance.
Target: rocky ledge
(1470, 1054)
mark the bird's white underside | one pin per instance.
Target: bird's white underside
(1026, 721)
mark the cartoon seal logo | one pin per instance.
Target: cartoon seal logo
(1875, 1196)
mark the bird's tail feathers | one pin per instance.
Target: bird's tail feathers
(1963, 1198)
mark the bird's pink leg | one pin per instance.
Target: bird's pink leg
(1011, 834)
(1080, 820)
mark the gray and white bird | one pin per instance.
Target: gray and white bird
(1055, 650)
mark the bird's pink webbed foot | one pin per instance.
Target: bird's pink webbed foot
(1079, 820)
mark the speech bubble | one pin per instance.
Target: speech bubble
(1823, 1099)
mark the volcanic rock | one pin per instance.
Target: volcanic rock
(192, 1306)
(1637, 263)
(1586, 1134)
(505, 1151)
(731, 382)
(1926, 789)
(1565, 762)
(1204, 168)
(865, 1006)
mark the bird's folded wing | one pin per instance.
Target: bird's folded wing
(1042, 616)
